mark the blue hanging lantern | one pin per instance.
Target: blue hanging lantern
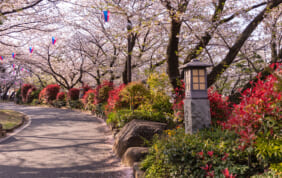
(31, 49)
(106, 15)
(54, 40)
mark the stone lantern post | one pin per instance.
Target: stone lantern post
(196, 103)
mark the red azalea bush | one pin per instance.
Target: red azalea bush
(102, 92)
(258, 113)
(178, 103)
(88, 99)
(61, 96)
(52, 91)
(73, 94)
(42, 96)
(85, 97)
(24, 91)
(219, 107)
(86, 88)
(114, 100)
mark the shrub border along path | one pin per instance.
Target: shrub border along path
(59, 143)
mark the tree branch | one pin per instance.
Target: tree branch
(218, 70)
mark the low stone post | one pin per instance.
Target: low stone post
(196, 103)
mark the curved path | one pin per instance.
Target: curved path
(59, 143)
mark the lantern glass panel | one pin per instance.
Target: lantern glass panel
(195, 86)
(195, 72)
(202, 86)
(202, 79)
(202, 72)
(195, 79)
(199, 79)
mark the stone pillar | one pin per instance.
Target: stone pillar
(197, 114)
(196, 103)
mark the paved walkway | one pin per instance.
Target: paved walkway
(59, 144)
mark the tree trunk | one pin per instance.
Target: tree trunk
(172, 53)
(128, 66)
(112, 74)
(98, 78)
(5, 97)
(131, 39)
(124, 74)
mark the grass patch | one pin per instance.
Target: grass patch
(10, 119)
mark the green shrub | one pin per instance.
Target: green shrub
(268, 174)
(18, 96)
(77, 104)
(102, 92)
(158, 103)
(88, 99)
(135, 94)
(159, 99)
(18, 93)
(206, 153)
(35, 102)
(161, 103)
(32, 95)
(119, 118)
(99, 109)
(59, 103)
(159, 83)
(269, 149)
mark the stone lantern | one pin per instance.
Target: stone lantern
(196, 103)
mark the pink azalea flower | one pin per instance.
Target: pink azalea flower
(226, 174)
(210, 174)
(201, 154)
(225, 156)
(210, 153)
(207, 168)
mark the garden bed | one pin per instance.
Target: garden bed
(11, 120)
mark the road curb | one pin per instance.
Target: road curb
(25, 124)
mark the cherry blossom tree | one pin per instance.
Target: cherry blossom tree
(239, 38)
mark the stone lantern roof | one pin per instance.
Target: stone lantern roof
(195, 63)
